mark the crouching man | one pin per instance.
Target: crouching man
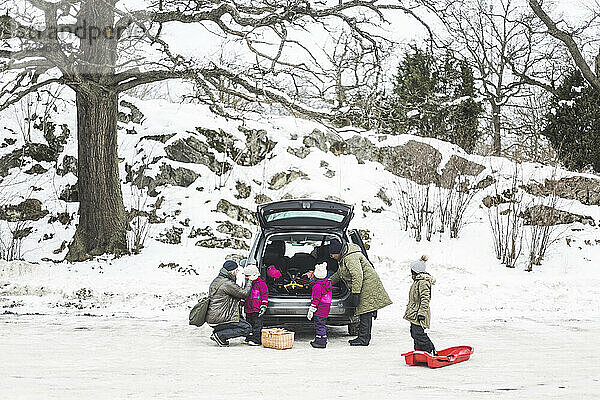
(223, 313)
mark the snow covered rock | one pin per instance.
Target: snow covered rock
(542, 215)
(28, 210)
(236, 212)
(281, 179)
(192, 150)
(584, 189)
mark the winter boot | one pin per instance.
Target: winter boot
(359, 342)
(222, 343)
(317, 345)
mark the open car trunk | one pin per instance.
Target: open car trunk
(305, 215)
(294, 255)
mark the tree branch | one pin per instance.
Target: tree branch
(569, 42)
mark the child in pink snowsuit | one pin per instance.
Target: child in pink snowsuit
(322, 294)
(255, 306)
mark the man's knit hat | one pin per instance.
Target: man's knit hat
(335, 246)
(230, 265)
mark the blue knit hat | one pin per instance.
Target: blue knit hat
(335, 246)
(230, 265)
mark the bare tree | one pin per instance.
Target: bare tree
(543, 233)
(527, 122)
(505, 216)
(416, 208)
(99, 49)
(494, 37)
(453, 204)
(570, 37)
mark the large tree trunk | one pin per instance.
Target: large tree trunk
(497, 147)
(102, 222)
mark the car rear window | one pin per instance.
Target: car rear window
(304, 214)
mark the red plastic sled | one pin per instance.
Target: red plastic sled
(445, 357)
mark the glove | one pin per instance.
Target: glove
(310, 275)
(355, 299)
(311, 312)
(420, 318)
(262, 310)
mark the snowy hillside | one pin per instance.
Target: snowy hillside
(197, 178)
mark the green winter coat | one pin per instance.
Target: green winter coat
(360, 277)
(419, 297)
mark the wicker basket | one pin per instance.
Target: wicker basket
(277, 338)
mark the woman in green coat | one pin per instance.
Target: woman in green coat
(417, 310)
(367, 292)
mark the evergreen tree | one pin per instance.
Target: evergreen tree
(574, 123)
(434, 97)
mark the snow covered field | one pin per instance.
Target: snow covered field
(117, 328)
(534, 335)
(47, 357)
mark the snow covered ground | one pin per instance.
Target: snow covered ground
(46, 357)
(534, 335)
(117, 328)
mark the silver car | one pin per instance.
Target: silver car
(293, 237)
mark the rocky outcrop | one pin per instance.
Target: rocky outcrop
(583, 189)
(541, 215)
(192, 150)
(70, 194)
(168, 176)
(329, 173)
(258, 146)
(171, 235)
(233, 230)
(159, 138)
(456, 167)
(69, 164)
(262, 198)
(227, 243)
(506, 196)
(321, 140)
(195, 232)
(236, 212)
(133, 115)
(28, 210)
(300, 152)
(281, 179)
(36, 169)
(36, 151)
(414, 160)
(243, 190)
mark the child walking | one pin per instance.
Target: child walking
(255, 306)
(322, 294)
(417, 310)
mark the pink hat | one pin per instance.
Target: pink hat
(273, 272)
